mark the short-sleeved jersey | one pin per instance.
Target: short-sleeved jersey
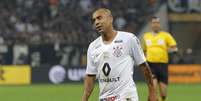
(113, 65)
(156, 46)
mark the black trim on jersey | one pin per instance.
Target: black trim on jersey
(118, 41)
(91, 74)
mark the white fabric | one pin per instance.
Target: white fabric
(121, 55)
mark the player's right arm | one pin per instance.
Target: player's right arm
(90, 77)
(140, 60)
(148, 77)
(89, 82)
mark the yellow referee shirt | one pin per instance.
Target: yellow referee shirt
(156, 46)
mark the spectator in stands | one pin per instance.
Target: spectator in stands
(187, 57)
(64, 17)
(22, 59)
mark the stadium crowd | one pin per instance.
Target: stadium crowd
(66, 21)
(69, 21)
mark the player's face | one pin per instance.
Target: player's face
(102, 21)
(155, 24)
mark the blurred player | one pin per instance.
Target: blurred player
(156, 45)
(110, 59)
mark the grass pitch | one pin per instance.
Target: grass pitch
(73, 92)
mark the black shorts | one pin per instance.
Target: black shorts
(160, 71)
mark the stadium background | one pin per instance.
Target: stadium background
(43, 45)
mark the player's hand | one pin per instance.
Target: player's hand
(152, 95)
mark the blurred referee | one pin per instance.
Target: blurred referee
(157, 44)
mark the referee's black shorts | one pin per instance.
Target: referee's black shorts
(160, 71)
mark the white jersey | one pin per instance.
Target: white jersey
(113, 65)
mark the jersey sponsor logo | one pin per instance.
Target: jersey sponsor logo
(161, 42)
(148, 42)
(109, 79)
(106, 69)
(117, 51)
(118, 41)
(111, 98)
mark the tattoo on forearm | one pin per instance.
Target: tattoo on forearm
(147, 73)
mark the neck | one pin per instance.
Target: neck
(109, 36)
(156, 31)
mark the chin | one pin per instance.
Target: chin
(100, 32)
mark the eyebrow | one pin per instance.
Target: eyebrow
(93, 19)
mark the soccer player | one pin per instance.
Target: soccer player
(110, 59)
(156, 45)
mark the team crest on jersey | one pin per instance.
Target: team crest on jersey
(117, 51)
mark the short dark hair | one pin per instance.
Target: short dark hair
(106, 10)
(155, 17)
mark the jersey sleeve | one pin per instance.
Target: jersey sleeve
(143, 43)
(136, 51)
(170, 40)
(91, 68)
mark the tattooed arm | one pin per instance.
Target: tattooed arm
(148, 76)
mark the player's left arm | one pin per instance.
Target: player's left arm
(149, 79)
(147, 73)
(139, 58)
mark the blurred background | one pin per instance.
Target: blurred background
(44, 43)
